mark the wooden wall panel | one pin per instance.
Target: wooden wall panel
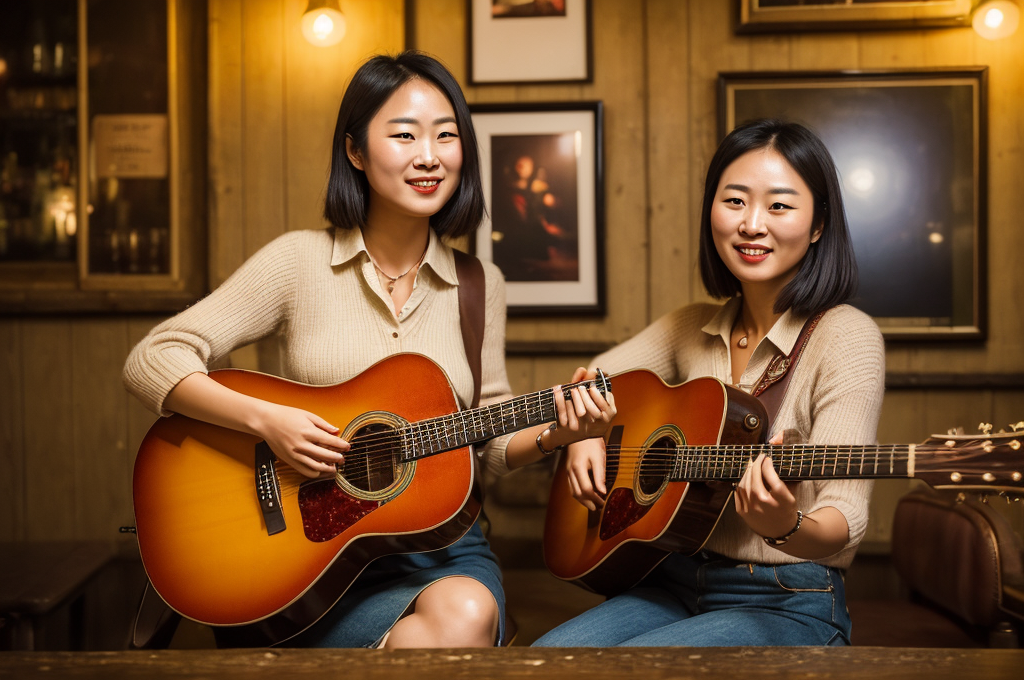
(226, 152)
(69, 434)
(12, 435)
(49, 450)
(100, 419)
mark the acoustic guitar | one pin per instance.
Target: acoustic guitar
(232, 537)
(666, 441)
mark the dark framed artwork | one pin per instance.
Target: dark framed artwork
(529, 41)
(850, 15)
(910, 147)
(543, 181)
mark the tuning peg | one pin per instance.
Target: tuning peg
(1017, 426)
(954, 431)
(984, 428)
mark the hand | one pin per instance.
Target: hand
(763, 500)
(302, 439)
(585, 472)
(587, 415)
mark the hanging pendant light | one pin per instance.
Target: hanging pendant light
(323, 23)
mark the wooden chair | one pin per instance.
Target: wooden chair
(962, 565)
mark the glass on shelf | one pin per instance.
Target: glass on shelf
(38, 131)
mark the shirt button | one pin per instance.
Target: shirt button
(394, 335)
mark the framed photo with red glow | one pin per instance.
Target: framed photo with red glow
(910, 147)
(542, 179)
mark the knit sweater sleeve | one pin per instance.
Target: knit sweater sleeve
(847, 405)
(494, 378)
(251, 304)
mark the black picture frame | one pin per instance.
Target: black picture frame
(911, 149)
(543, 177)
(521, 50)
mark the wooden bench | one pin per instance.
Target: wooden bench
(41, 589)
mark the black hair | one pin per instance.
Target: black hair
(828, 272)
(348, 192)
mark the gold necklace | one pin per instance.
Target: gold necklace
(392, 280)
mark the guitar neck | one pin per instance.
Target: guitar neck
(795, 462)
(473, 426)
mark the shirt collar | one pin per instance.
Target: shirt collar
(783, 334)
(349, 243)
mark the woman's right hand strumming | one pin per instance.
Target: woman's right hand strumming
(585, 467)
(302, 439)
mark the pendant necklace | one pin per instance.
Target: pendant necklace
(392, 280)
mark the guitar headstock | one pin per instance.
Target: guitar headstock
(988, 462)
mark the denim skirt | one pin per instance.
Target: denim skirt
(386, 588)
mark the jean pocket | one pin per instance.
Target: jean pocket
(805, 577)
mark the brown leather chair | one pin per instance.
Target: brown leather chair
(962, 564)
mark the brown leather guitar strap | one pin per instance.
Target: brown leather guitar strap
(771, 386)
(472, 288)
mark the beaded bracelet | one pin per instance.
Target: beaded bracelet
(785, 539)
(540, 445)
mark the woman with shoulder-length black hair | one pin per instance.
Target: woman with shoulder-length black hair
(379, 281)
(774, 243)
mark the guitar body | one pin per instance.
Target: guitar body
(645, 516)
(220, 551)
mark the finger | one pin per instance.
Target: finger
(323, 424)
(578, 494)
(333, 444)
(590, 405)
(577, 402)
(600, 402)
(560, 406)
(777, 440)
(599, 480)
(324, 459)
(579, 374)
(571, 421)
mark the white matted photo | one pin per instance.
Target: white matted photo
(529, 41)
(542, 179)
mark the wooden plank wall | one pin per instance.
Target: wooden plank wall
(68, 432)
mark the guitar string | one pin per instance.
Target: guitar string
(535, 404)
(538, 397)
(868, 454)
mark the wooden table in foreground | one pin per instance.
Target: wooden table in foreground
(716, 663)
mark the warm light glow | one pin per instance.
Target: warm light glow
(995, 19)
(323, 24)
(862, 180)
(935, 237)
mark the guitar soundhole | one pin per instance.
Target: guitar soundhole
(372, 463)
(655, 466)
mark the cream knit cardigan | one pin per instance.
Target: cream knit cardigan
(318, 292)
(834, 397)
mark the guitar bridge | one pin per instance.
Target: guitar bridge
(268, 490)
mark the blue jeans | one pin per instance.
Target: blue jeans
(709, 601)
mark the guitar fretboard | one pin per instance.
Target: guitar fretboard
(473, 426)
(794, 462)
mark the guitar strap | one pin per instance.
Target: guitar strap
(771, 386)
(472, 288)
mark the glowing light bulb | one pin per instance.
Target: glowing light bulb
(994, 18)
(323, 24)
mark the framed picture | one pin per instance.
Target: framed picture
(543, 181)
(850, 15)
(910, 147)
(529, 41)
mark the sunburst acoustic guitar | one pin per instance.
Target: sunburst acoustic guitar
(231, 537)
(666, 441)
